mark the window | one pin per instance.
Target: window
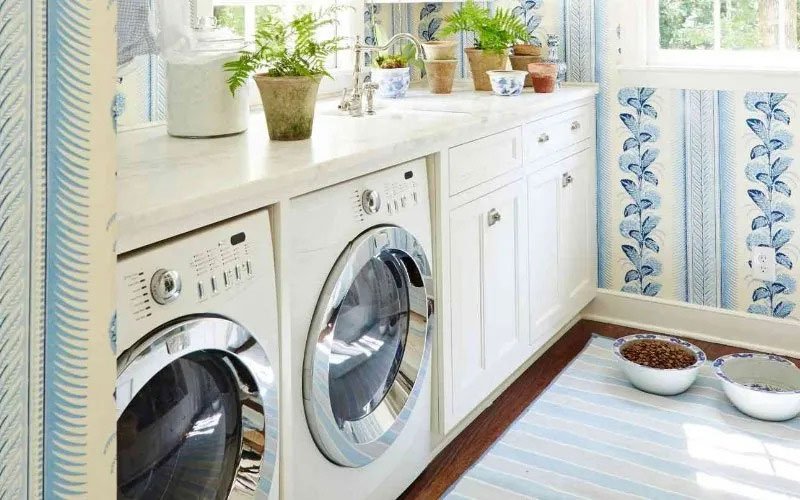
(242, 16)
(724, 33)
(709, 44)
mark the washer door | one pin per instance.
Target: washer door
(197, 414)
(369, 347)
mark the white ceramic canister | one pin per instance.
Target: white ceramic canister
(199, 103)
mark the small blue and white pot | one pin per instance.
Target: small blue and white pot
(392, 83)
(507, 82)
(764, 386)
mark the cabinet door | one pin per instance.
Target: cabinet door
(489, 340)
(546, 257)
(577, 215)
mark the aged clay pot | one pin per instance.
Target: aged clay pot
(439, 50)
(481, 61)
(527, 49)
(521, 63)
(289, 103)
(440, 75)
(544, 77)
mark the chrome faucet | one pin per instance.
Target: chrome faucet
(352, 99)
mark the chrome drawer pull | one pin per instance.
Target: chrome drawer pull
(566, 180)
(544, 138)
(494, 217)
(576, 125)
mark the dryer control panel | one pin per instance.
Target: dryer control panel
(391, 195)
(201, 272)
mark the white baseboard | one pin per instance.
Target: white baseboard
(737, 329)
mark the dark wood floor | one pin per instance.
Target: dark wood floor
(468, 447)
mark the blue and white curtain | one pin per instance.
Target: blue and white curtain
(57, 170)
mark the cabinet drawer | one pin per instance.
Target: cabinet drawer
(478, 161)
(549, 135)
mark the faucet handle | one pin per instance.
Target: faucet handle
(344, 104)
(369, 90)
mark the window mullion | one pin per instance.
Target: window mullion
(717, 24)
(782, 36)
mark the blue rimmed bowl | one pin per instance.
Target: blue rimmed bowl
(661, 381)
(764, 386)
(507, 82)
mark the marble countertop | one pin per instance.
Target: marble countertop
(168, 186)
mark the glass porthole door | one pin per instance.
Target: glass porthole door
(369, 346)
(194, 404)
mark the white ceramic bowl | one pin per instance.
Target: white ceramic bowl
(507, 82)
(764, 386)
(665, 382)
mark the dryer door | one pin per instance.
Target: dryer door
(197, 414)
(369, 347)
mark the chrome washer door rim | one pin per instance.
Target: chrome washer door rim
(259, 409)
(360, 442)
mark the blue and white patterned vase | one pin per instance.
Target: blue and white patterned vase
(392, 83)
(507, 83)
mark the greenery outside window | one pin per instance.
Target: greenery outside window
(723, 33)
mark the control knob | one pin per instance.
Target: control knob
(371, 202)
(165, 286)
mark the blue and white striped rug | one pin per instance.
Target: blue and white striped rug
(592, 435)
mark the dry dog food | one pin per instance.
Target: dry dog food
(658, 354)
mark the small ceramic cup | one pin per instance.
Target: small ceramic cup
(544, 76)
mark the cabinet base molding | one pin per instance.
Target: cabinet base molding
(720, 326)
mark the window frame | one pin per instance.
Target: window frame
(341, 73)
(644, 62)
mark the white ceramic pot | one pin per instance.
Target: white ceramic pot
(507, 82)
(665, 382)
(392, 83)
(764, 386)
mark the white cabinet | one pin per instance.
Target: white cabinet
(488, 305)
(563, 253)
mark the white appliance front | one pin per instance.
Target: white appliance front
(358, 402)
(197, 377)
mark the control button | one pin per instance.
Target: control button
(226, 279)
(165, 286)
(390, 208)
(249, 268)
(213, 284)
(416, 197)
(200, 290)
(237, 272)
(404, 201)
(396, 206)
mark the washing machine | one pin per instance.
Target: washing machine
(358, 406)
(197, 378)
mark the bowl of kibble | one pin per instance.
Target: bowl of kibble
(659, 364)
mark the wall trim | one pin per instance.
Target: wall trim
(692, 321)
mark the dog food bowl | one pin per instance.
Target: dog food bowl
(763, 386)
(654, 379)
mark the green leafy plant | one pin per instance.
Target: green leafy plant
(287, 48)
(493, 32)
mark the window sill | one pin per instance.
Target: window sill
(702, 78)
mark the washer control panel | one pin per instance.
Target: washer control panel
(222, 268)
(394, 196)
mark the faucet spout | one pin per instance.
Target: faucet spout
(353, 103)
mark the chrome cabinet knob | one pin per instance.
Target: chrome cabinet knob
(165, 286)
(544, 138)
(576, 125)
(371, 202)
(566, 180)
(494, 217)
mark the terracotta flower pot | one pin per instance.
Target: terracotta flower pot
(520, 63)
(289, 103)
(440, 75)
(544, 77)
(439, 50)
(527, 50)
(481, 61)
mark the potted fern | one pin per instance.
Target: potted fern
(287, 64)
(494, 35)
